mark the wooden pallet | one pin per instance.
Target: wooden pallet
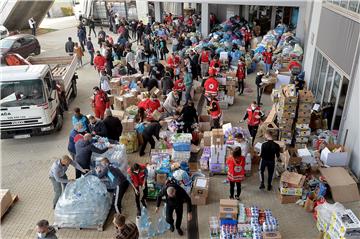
(15, 198)
(59, 71)
(99, 228)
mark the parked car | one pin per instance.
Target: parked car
(23, 44)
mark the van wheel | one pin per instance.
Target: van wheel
(38, 51)
(74, 89)
(59, 121)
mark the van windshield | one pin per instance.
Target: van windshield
(21, 93)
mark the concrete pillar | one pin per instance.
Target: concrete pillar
(273, 17)
(157, 8)
(300, 26)
(205, 19)
(142, 9)
(245, 12)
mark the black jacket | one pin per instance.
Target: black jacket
(269, 150)
(180, 197)
(69, 47)
(119, 177)
(99, 128)
(152, 129)
(114, 127)
(84, 150)
(167, 84)
(189, 114)
(258, 80)
(152, 83)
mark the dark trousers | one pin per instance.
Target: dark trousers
(141, 66)
(188, 127)
(92, 29)
(147, 139)
(130, 69)
(82, 44)
(238, 188)
(259, 94)
(216, 123)
(169, 214)
(33, 30)
(137, 198)
(270, 168)
(253, 131)
(139, 38)
(162, 55)
(91, 57)
(119, 194)
(241, 86)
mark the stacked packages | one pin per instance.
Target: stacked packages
(181, 147)
(306, 101)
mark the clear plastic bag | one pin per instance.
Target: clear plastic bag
(116, 155)
(85, 203)
(325, 210)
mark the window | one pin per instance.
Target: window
(335, 88)
(329, 79)
(320, 86)
(316, 70)
(352, 5)
(344, 3)
(341, 104)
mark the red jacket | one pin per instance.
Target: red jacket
(253, 117)
(241, 71)
(139, 178)
(173, 61)
(213, 62)
(293, 64)
(179, 85)
(236, 169)
(247, 36)
(101, 100)
(99, 62)
(204, 56)
(211, 86)
(267, 57)
(215, 111)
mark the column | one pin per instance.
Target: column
(300, 26)
(245, 12)
(205, 19)
(273, 17)
(142, 9)
(157, 8)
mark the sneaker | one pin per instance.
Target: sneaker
(230, 197)
(262, 186)
(172, 228)
(269, 188)
(180, 232)
(237, 198)
(141, 154)
(239, 93)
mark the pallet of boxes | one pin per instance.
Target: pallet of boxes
(286, 112)
(291, 187)
(217, 164)
(230, 88)
(200, 191)
(302, 128)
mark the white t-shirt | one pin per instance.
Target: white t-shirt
(104, 83)
(31, 23)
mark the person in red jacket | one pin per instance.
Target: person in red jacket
(236, 172)
(268, 60)
(253, 116)
(215, 62)
(211, 88)
(179, 87)
(247, 39)
(99, 62)
(100, 102)
(215, 112)
(174, 63)
(204, 62)
(241, 73)
(151, 105)
(137, 176)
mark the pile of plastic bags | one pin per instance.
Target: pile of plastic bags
(116, 155)
(85, 203)
(130, 140)
(148, 229)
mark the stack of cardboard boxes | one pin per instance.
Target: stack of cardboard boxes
(303, 131)
(200, 191)
(230, 89)
(286, 110)
(228, 209)
(218, 151)
(291, 187)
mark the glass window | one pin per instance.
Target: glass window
(353, 5)
(341, 104)
(344, 3)
(337, 2)
(21, 93)
(335, 88)
(316, 70)
(320, 87)
(329, 78)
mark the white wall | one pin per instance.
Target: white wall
(311, 41)
(351, 123)
(224, 11)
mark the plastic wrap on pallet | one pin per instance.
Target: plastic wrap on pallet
(181, 138)
(116, 155)
(181, 156)
(84, 204)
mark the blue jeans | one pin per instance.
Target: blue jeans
(174, 48)
(58, 189)
(267, 68)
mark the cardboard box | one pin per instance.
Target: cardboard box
(292, 179)
(291, 158)
(304, 114)
(231, 91)
(282, 146)
(218, 153)
(286, 199)
(336, 159)
(346, 223)
(305, 155)
(216, 167)
(204, 123)
(193, 166)
(129, 100)
(271, 126)
(342, 185)
(305, 107)
(118, 103)
(156, 115)
(118, 113)
(228, 208)
(218, 137)
(207, 138)
(128, 125)
(271, 235)
(156, 91)
(305, 120)
(115, 82)
(306, 96)
(5, 200)
(161, 178)
(198, 200)
(200, 186)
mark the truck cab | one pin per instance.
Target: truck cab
(29, 102)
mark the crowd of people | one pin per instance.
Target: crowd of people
(174, 73)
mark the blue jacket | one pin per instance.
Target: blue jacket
(81, 35)
(83, 120)
(71, 145)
